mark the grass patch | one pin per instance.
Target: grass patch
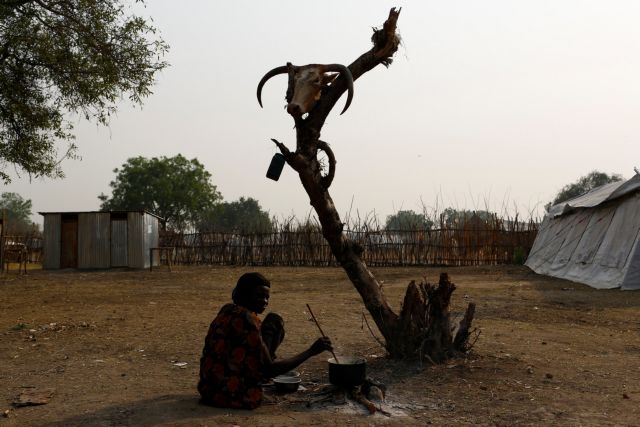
(19, 326)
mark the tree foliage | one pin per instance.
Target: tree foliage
(17, 213)
(243, 215)
(583, 185)
(408, 220)
(455, 218)
(177, 189)
(65, 58)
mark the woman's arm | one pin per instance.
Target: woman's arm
(273, 369)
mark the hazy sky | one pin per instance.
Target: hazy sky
(487, 104)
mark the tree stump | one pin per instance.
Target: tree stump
(424, 327)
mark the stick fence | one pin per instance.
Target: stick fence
(466, 246)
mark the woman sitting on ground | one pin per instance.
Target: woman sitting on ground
(239, 349)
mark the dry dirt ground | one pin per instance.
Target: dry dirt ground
(107, 347)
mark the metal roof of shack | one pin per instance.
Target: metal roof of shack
(142, 211)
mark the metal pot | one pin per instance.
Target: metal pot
(350, 372)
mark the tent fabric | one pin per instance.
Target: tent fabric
(593, 239)
(597, 196)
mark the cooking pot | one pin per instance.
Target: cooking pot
(350, 372)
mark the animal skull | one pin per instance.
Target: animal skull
(306, 84)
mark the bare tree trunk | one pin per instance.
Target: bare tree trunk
(424, 321)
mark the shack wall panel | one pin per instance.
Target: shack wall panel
(94, 249)
(119, 243)
(51, 246)
(143, 235)
(135, 226)
(151, 239)
(69, 241)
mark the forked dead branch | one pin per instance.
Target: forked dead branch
(424, 327)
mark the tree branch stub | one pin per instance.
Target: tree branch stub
(385, 44)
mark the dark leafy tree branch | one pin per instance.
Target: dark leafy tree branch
(61, 58)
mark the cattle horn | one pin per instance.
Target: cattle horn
(347, 74)
(278, 70)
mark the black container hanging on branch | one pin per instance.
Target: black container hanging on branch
(276, 166)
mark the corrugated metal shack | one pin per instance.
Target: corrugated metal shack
(89, 240)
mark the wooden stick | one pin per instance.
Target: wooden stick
(322, 333)
(372, 334)
(357, 395)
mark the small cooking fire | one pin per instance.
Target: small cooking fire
(369, 394)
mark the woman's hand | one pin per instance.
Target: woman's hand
(321, 344)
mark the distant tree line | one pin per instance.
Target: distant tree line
(181, 192)
(407, 220)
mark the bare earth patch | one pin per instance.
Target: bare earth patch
(122, 348)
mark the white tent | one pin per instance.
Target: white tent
(593, 239)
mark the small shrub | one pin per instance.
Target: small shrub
(519, 256)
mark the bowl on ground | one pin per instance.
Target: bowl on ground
(286, 384)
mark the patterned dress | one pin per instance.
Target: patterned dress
(231, 367)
